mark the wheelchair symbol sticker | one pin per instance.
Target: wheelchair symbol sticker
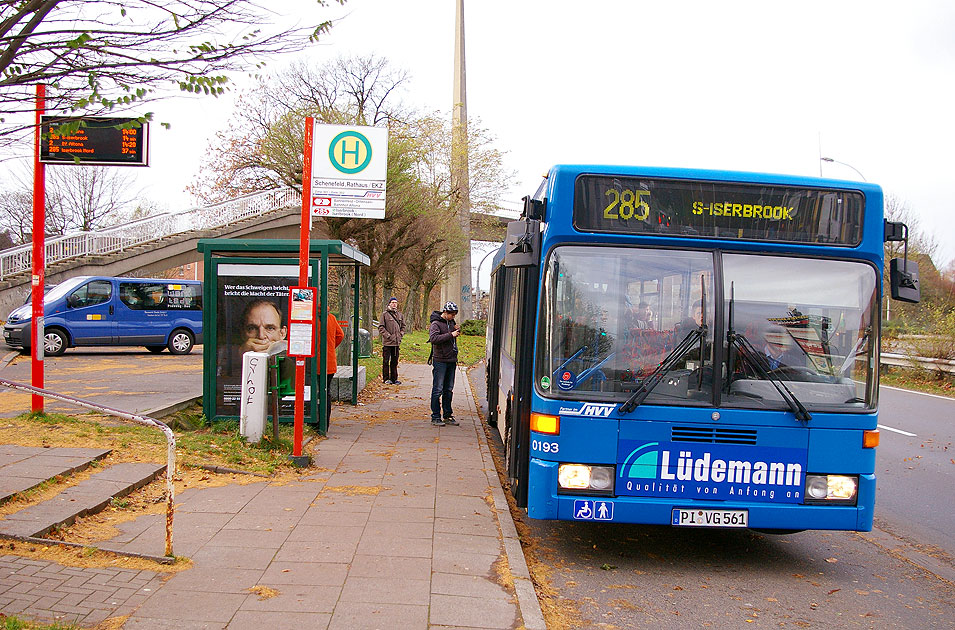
(585, 510)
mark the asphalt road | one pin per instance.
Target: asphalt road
(132, 379)
(916, 469)
(901, 575)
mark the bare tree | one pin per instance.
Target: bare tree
(77, 198)
(263, 148)
(102, 54)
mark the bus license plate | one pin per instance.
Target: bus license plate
(710, 518)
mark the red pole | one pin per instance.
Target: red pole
(303, 281)
(39, 248)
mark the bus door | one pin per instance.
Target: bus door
(142, 318)
(522, 256)
(90, 313)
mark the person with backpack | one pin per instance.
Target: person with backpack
(391, 328)
(443, 335)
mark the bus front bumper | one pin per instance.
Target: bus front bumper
(546, 504)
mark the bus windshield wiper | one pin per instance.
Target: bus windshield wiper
(647, 385)
(745, 349)
(694, 336)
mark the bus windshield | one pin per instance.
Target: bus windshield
(611, 315)
(808, 322)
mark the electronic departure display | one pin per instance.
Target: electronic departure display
(700, 209)
(96, 140)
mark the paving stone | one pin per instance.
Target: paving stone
(305, 573)
(457, 542)
(316, 551)
(296, 598)
(364, 616)
(256, 620)
(179, 605)
(160, 623)
(215, 580)
(132, 472)
(384, 566)
(451, 610)
(386, 590)
(468, 586)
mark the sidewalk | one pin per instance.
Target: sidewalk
(400, 525)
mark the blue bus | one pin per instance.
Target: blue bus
(107, 311)
(694, 348)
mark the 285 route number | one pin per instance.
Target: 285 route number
(627, 204)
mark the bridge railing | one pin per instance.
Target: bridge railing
(114, 239)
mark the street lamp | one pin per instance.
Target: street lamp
(829, 159)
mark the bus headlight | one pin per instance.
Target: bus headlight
(585, 479)
(840, 489)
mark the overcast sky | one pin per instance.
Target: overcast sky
(756, 86)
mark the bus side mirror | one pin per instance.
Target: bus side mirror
(904, 280)
(522, 244)
(903, 273)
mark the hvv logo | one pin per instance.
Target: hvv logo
(590, 410)
(712, 471)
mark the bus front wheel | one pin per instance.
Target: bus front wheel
(181, 341)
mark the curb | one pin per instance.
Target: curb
(8, 358)
(527, 601)
(168, 410)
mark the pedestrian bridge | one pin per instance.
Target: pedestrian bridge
(157, 243)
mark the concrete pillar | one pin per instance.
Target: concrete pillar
(458, 285)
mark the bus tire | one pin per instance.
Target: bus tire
(55, 342)
(181, 341)
(155, 349)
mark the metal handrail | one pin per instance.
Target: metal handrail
(170, 439)
(118, 238)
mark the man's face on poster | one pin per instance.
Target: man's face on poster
(262, 327)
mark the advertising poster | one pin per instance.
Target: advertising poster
(252, 302)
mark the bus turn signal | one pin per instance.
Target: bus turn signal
(545, 424)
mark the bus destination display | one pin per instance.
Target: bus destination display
(700, 209)
(97, 140)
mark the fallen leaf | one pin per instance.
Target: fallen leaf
(831, 560)
(835, 590)
(608, 567)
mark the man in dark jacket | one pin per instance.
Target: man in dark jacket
(442, 335)
(391, 328)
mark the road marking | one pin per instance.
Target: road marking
(882, 426)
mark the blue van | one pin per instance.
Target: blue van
(102, 311)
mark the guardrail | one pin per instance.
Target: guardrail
(115, 239)
(944, 365)
(170, 439)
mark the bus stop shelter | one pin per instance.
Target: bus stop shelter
(246, 278)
